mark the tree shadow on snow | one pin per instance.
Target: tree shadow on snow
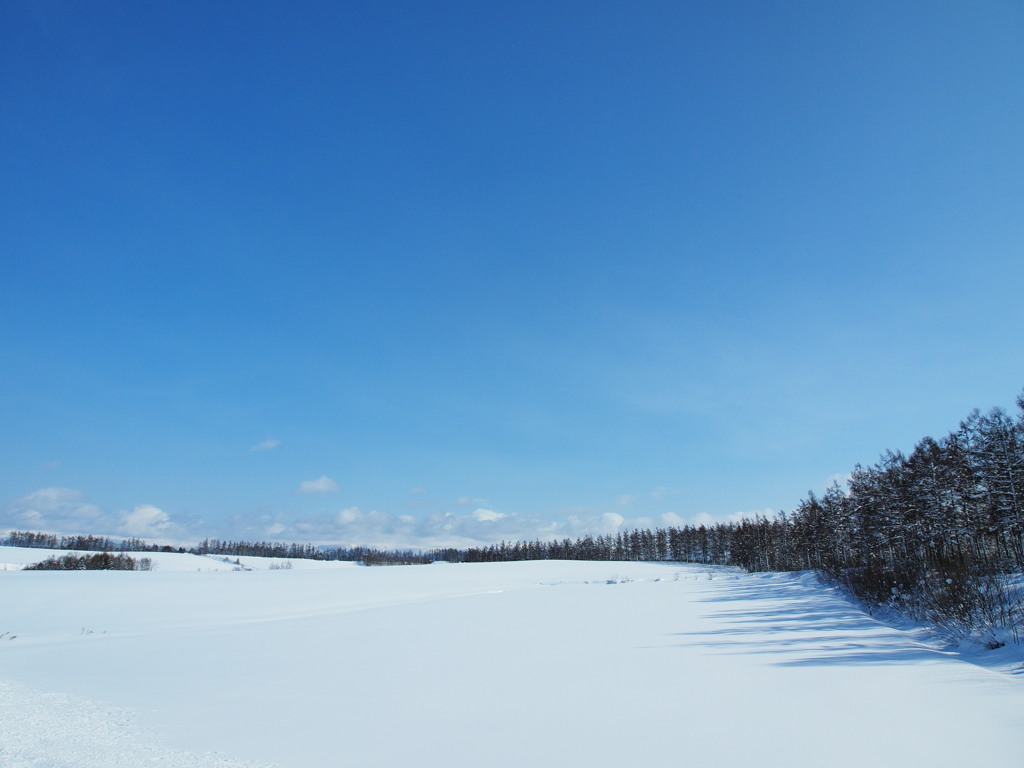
(801, 624)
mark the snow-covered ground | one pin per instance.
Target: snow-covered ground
(16, 558)
(512, 664)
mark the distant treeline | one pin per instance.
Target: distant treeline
(686, 544)
(933, 533)
(101, 561)
(929, 532)
(83, 543)
(364, 555)
(235, 548)
(955, 500)
(952, 503)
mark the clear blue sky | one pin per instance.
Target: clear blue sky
(419, 273)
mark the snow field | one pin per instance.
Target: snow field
(52, 730)
(504, 664)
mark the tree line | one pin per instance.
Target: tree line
(235, 548)
(35, 540)
(958, 499)
(932, 532)
(101, 561)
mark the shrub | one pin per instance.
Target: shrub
(963, 599)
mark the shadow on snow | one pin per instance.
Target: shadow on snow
(803, 624)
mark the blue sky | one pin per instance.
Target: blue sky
(424, 273)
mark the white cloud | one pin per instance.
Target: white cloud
(56, 510)
(487, 515)
(451, 526)
(612, 520)
(482, 526)
(267, 445)
(68, 512)
(322, 484)
(349, 515)
(145, 521)
(671, 519)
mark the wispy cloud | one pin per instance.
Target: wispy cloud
(659, 493)
(482, 526)
(487, 515)
(322, 484)
(53, 509)
(67, 511)
(267, 445)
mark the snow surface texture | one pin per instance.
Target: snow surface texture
(504, 664)
(53, 730)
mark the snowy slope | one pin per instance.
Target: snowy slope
(15, 558)
(513, 664)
